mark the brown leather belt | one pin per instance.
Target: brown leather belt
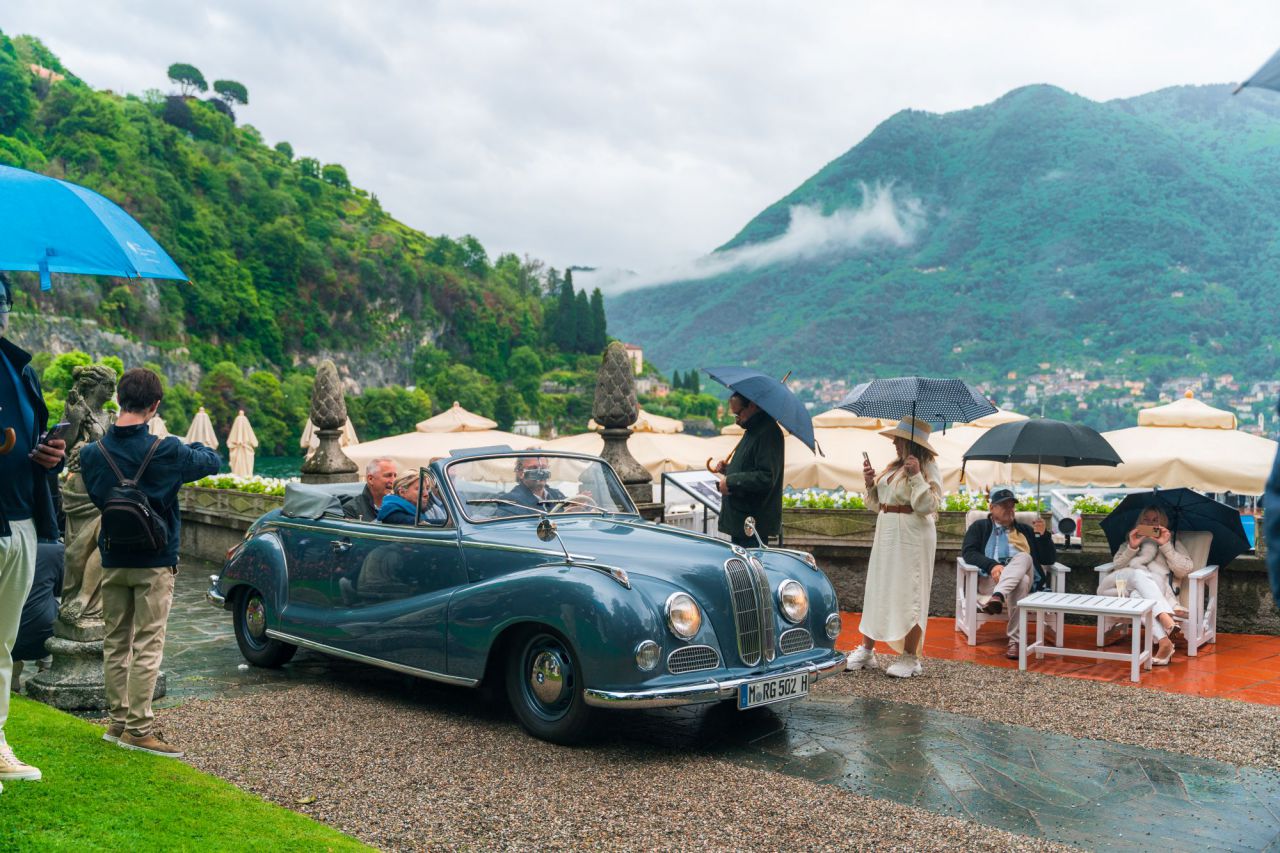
(896, 508)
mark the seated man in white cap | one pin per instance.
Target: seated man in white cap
(1010, 556)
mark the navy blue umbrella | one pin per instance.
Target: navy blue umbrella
(1187, 510)
(56, 226)
(936, 401)
(772, 396)
(1266, 77)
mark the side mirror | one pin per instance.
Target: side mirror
(546, 530)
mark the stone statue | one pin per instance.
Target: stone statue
(82, 583)
(615, 410)
(329, 414)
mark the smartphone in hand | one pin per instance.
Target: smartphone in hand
(59, 431)
(866, 460)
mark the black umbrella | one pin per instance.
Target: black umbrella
(1187, 510)
(771, 395)
(1043, 441)
(937, 401)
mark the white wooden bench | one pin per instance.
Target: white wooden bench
(1137, 610)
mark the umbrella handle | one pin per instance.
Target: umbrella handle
(725, 462)
(10, 439)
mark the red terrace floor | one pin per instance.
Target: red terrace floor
(1238, 666)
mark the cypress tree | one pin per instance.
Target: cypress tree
(566, 335)
(584, 334)
(599, 324)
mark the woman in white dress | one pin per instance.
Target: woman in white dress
(895, 605)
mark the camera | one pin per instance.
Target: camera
(541, 475)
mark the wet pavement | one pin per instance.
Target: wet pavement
(1090, 793)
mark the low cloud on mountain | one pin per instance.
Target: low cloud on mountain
(882, 219)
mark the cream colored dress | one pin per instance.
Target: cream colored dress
(900, 572)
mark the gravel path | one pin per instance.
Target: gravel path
(401, 771)
(1239, 733)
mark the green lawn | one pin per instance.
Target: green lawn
(96, 796)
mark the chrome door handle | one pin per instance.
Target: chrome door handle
(341, 546)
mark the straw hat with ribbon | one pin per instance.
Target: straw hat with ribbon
(912, 429)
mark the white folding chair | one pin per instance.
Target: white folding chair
(1198, 593)
(968, 617)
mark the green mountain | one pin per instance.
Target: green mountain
(288, 261)
(1135, 237)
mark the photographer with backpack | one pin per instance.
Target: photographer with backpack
(133, 478)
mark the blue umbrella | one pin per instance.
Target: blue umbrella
(1266, 77)
(55, 226)
(771, 395)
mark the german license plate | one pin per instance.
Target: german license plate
(766, 691)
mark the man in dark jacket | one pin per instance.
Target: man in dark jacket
(137, 586)
(751, 482)
(1010, 556)
(26, 506)
(379, 476)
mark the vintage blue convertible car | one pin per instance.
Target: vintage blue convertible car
(539, 576)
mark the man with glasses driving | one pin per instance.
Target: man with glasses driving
(532, 489)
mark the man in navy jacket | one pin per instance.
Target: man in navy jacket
(137, 586)
(26, 505)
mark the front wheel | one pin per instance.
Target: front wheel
(251, 633)
(544, 687)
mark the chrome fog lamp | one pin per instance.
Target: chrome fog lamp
(647, 655)
(793, 600)
(833, 626)
(683, 616)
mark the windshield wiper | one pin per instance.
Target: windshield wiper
(504, 502)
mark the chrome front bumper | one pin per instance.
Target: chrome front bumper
(214, 597)
(704, 691)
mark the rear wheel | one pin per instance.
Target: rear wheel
(544, 687)
(250, 614)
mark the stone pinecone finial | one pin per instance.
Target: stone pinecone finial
(328, 406)
(615, 403)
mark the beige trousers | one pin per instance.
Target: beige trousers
(1014, 584)
(17, 569)
(135, 606)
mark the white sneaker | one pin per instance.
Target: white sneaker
(904, 667)
(862, 658)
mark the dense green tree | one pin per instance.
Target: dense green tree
(286, 149)
(188, 78)
(508, 407)
(599, 323)
(231, 91)
(468, 387)
(381, 412)
(525, 370)
(16, 102)
(584, 326)
(57, 378)
(335, 176)
(566, 332)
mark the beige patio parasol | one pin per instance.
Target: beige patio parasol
(201, 430)
(242, 443)
(457, 419)
(657, 452)
(1185, 443)
(158, 428)
(414, 449)
(648, 422)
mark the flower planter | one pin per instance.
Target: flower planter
(228, 502)
(848, 526)
(1091, 532)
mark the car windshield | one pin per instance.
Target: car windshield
(522, 484)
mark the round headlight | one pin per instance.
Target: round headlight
(683, 616)
(647, 654)
(833, 626)
(793, 600)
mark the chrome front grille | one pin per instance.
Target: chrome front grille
(795, 640)
(693, 659)
(752, 609)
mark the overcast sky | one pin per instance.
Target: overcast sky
(625, 134)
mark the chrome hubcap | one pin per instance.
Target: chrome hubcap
(546, 677)
(255, 618)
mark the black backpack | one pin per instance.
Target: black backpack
(128, 520)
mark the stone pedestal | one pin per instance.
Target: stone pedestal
(329, 413)
(75, 681)
(637, 480)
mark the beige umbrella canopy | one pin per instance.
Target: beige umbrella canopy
(841, 467)
(201, 430)
(648, 422)
(311, 437)
(457, 419)
(999, 416)
(415, 449)
(1185, 443)
(158, 428)
(242, 443)
(657, 452)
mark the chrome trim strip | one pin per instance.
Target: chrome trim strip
(586, 558)
(385, 664)
(705, 691)
(364, 533)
